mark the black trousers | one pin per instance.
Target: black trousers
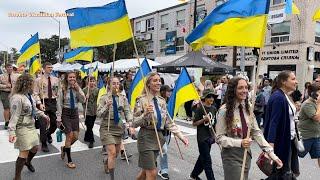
(50, 110)
(187, 107)
(204, 161)
(89, 122)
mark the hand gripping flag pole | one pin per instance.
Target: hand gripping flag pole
(255, 83)
(147, 92)
(111, 76)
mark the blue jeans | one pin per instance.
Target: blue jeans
(164, 159)
(204, 161)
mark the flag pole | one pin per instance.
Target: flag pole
(175, 137)
(111, 76)
(147, 92)
(251, 111)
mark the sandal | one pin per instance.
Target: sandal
(63, 154)
(71, 165)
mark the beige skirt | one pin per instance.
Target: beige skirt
(107, 138)
(27, 138)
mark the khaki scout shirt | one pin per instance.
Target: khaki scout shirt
(21, 114)
(40, 90)
(92, 101)
(145, 121)
(4, 81)
(234, 138)
(63, 99)
(123, 109)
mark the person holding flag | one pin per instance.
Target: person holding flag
(7, 82)
(69, 94)
(233, 122)
(113, 109)
(205, 137)
(45, 93)
(91, 107)
(151, 108)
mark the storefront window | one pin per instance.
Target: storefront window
(180, 44)
(280, 32)
(317, 32)
(149, 46)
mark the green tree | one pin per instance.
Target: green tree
(14, 53)
(125, 50)
(49, 48)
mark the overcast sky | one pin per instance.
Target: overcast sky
(14, 31)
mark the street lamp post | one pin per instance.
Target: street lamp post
(59, 50)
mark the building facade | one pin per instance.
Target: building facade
(292, 41)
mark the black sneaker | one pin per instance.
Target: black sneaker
(90, 145)
(49, 139)
(30, 167)
(6, 125)
(163, 175)
(44, 148)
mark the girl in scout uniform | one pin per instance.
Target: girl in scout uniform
(233, 121)
(113, 107)
(148, 105)
(91, 109)
(22, 131)
(69, 94)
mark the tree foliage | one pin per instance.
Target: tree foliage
(125, 50)
(49, 48)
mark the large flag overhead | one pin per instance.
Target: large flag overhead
(183, 91)
(29, 49)
(291, 8)
(137, 84)
(34, 65)
(83, 54)
(99, 26)
(316, 16)
(234, 23)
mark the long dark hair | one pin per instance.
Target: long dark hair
(24, 84)
(278, 81)
(230, 101)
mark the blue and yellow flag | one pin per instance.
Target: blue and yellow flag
(234, 23)
(82, 54)
(95, 72)
(316, 16)
(183, 91)
(29, 49)
(83, 72)
(291, 8)
(137, 84)
(34, 65)
(99, 26)
(103, 89)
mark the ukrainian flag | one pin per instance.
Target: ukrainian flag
(83, 54)
(183, 91)
(137, 84)
(95, 72)
(99, 26)
(103, 89)
(34, 65)
(83, 72)
(29, 49)
(234, 23)
(291, 8)
(316, 16)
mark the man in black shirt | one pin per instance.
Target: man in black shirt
(204, 135)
